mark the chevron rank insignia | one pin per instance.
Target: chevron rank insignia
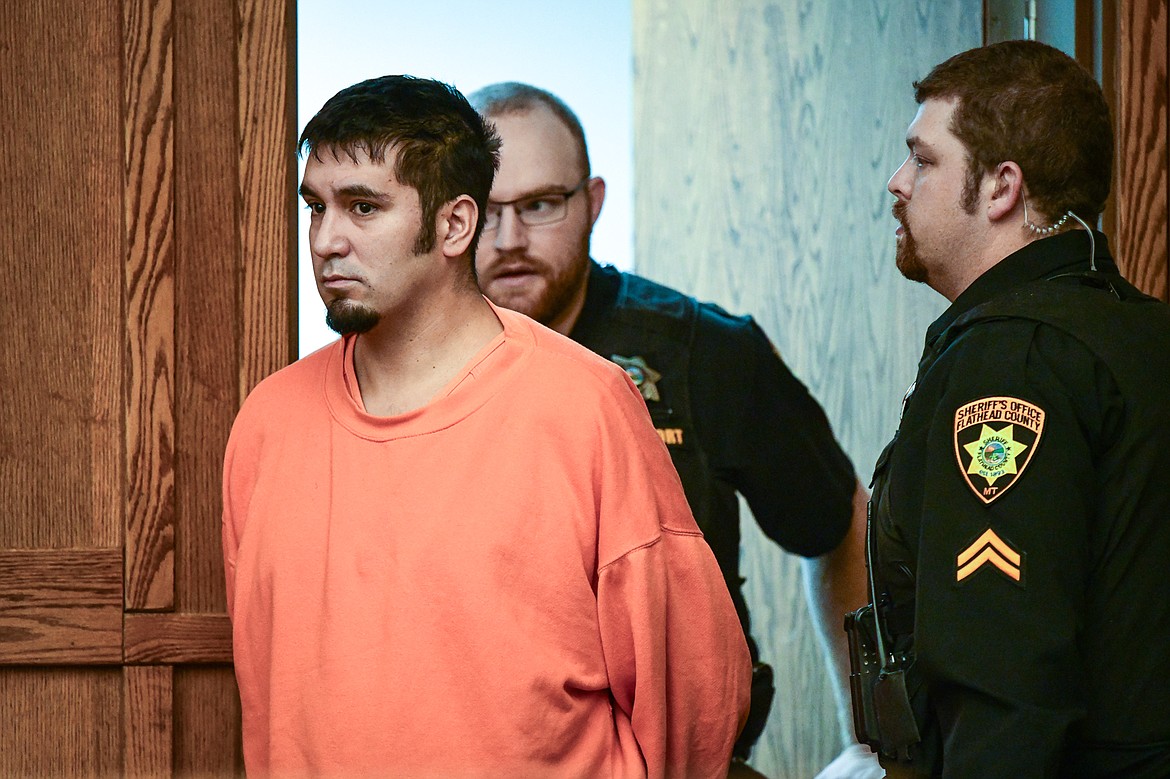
(644, 377)
(995, 439)
(990, 549)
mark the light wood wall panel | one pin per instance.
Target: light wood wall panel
(765, 132)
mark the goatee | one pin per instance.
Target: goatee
(345, 317)
(906, 255)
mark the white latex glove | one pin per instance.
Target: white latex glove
(854, 762)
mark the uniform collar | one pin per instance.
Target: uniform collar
(601, 294)
(1064, 253)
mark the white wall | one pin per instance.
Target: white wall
(578, 49)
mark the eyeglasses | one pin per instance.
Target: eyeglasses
(532, 210)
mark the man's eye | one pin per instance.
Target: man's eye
(918, 161)
(315, 208)
(364, 209)
(540, 205)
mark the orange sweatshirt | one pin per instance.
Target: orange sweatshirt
(506, 582)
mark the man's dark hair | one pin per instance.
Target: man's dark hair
(1034, 105)
(444, 147)
(513, 97)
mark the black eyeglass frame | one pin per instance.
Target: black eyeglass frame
(502, 204)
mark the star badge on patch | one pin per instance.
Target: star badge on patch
(644, 377)
(995, 439)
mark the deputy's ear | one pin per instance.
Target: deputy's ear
(596, 189)
(457, 225)
(1006, 183)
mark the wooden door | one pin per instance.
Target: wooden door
(145, 231)
(1140, 101)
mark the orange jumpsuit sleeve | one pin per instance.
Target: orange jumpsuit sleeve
(675, 653)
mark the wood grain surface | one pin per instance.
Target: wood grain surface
(60, 722)
(148, 42)
(177, 638)
(124, 363)
(60, 606)
(207, 713)
(1141, 155)
(147, 722)
(60, 248)
(267, 185)
(209, 258)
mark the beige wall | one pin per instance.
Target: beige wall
(764, 136)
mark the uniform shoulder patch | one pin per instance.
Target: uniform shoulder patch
(995, 439)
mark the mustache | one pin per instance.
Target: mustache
(899, 211)
(514, 259)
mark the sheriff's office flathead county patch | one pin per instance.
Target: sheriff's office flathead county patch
(995, 439)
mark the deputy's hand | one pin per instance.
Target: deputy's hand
(854, 762)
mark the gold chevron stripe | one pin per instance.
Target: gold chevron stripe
(988, 555)
(989, 538)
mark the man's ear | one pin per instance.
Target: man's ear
(457, 226)
(1006, 184)
(596, 190)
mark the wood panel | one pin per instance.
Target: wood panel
(208, 261)
(128, 241)
(207, 710)
(1141, 155)
(764, 135)
(148, 41)
(60, 606)
(147, 722)
(177, 638)
(267, 110)
(60, 250)
(60, 722)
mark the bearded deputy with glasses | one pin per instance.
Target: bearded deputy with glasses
(728, 409)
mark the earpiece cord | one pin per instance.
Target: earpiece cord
(1092, 242)
(1044, 232)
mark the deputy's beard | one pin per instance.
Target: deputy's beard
(561, 287)
(346, 316)
(906, 253)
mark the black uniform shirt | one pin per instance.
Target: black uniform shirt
(1022, 518)
(733, 416)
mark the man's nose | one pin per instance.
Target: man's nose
(512, 233)
(327, 236)
(899, 183)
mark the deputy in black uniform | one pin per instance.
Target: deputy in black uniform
(1021, 515)
(732, 415)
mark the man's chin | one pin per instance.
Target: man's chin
(345, 317)
(911, 269)
(906, 259)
